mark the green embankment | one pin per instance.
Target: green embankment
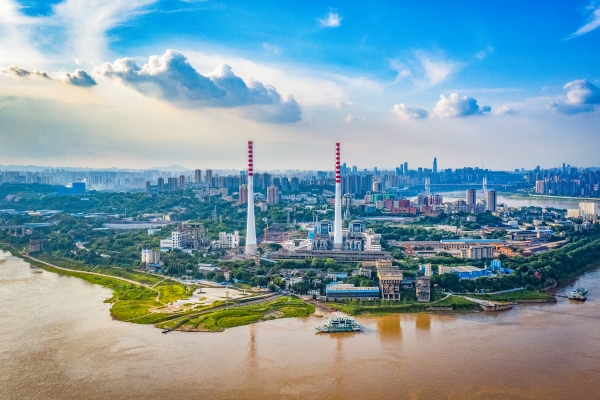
(219, 320)
(520, 295)
(131, 302)
(457, 304)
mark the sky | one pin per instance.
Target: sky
(143, 83)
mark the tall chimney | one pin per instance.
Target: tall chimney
(337, 224)
(250, 227)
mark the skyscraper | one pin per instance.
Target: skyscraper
(161, 185)
(197, 176)
(208, 177)
(490, 204)
(243, 194)
(405, 167)
(471, 198)
(250, 223)
(182, 182)
(435, 165)
(147, 187)
(272, 195)
(337, 225)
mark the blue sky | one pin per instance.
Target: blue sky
(394, 81)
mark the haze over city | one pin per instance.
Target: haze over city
(138, 84)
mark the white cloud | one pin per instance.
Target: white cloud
(593, 12)
(271, 49)
(78, 78)
(582, 91)
(504, 110)
(436, 71)
(401, 68)
(171, 78)
(582, 96)
(484, 53)
(458, 106)
(21, 72)
(405, 112)
(332, 20)
(349, 118)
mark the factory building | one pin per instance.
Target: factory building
(423, 287)
(341, 291)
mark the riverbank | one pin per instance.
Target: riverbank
(448, 304)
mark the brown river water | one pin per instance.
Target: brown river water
(58, 341)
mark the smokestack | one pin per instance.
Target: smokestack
(337, 224)
(250, 227)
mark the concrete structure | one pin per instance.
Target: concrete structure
(336, 292)
(471, 198)
(35, 245)
(188, 237)
(161, 184)
(590, 208)
(337, 225)
(423, 288)
(390, 281)
(491, 203)
(197, 176)
(229, 240)
(480, 252)
(336, 255)
(208, 177)
(250, 223)
(150, 257)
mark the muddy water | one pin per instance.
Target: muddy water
(57, 341)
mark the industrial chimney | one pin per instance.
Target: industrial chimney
(337, 225)
(250, 227)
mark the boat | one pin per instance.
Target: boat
(582, 291)
(575, 295)
(340, 324)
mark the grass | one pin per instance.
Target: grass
(520, 295)
(171, 291)
(457, 303)
(219, 320)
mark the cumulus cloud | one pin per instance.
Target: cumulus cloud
(582, 96)
(582, 91)
(405, 112)
(170, 77)
(21, 72)
(503, 110)
(78, 78)
(458, 106)
(333, 20)
(593, 16)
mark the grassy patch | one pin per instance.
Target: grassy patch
(457, 303)
(520, 295)
(171, 291)
(219, 320)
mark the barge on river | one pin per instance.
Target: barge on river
(340, 324)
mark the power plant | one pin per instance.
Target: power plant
(337, 222)
(250, 227)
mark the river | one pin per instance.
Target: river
(58, 341)
(516, 201)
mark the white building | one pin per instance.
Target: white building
(590, 208)
(150, 257)
(229, 240)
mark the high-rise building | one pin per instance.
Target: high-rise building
(161, 185)
(208, 177)
(147, 187)
(471, 198)
(405, 167)
(181, 182)
(250, 223)
(272, 195)
(243, 194)
(197, 176)
(490, 201)
(173, 184)
(337, 225)
(295, 184)
(435, 165)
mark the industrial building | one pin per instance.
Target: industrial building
(341, 291)
(464, 272)
(390, 280)
(150, 257)
(423, 289)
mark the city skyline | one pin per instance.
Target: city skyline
(143, 83)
